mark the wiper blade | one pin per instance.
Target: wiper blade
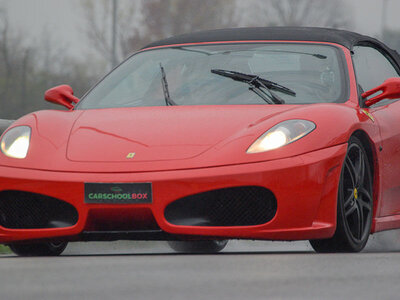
(168, 100)
(254, 84)
(251, 78)
(316, 55)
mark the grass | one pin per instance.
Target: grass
(4, 249)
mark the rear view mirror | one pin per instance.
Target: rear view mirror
(390, 89)
(62, 95)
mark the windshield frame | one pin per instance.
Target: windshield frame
(343, 65)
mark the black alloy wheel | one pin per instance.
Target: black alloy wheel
(355, 204)
(39, 249)
(211, 246)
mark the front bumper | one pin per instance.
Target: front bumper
(305, 187)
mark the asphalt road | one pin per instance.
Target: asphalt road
(245, 270)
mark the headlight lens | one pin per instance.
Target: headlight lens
(282, 134)
(15, 142)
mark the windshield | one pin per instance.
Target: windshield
(184, 76)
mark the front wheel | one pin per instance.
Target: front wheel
(212, 246)
(355, 204)
(39, 249)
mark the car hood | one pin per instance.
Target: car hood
(157, 134)
(148, 139)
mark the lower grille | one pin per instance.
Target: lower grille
(236, 206)
(23, 210)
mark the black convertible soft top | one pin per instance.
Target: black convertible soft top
(343, 37)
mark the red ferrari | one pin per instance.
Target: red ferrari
(251, 133)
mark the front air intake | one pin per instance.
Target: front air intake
(235, 206)
(23, 210)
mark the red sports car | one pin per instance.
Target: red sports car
(251, 133)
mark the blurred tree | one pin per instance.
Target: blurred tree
(143, 21)
(28, 70)
(98, 16)
(165, 18)
(391, 38)
(322, 13)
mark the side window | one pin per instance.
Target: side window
(372, 67)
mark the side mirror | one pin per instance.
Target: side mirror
(62, 95)
(390, 89)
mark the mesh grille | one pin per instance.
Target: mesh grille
(236, 206)
(23, 210)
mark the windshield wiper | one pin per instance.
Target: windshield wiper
(316, 55)
(168, 100)
(256, 82)
(255, 85)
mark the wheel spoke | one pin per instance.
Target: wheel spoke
(365, 193)
(352, 171)
(365, 199)
(361, 168)
(366, 205)
(348, 200)
(360, 219)
(351, 210)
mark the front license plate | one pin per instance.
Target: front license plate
(118, 193)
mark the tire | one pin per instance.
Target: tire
(213, 246)
(39, 249)
(354, 204)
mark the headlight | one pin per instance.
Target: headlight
(15, 142)
(282, 134)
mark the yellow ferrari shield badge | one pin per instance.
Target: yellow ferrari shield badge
(368, 115)
(130, 155)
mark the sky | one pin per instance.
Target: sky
(64, 20)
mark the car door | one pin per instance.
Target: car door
(373, 66)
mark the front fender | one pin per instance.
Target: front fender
(335, 123)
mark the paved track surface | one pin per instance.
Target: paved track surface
(245, 270)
